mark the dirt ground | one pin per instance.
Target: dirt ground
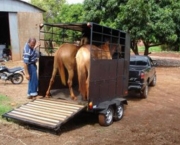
(151, 121)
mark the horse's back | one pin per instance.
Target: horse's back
(67, 50)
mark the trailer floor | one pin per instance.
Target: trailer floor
(47, 113)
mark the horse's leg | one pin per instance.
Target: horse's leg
(87, 84)
(51, 82)
(53, 76)
(82, 82)
(70, 83)
(80, 78)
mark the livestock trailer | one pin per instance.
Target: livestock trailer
(108, 83)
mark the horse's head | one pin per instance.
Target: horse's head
(106, 50)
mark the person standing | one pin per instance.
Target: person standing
(30, 58)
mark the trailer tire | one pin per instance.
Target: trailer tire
(144, 92)
(107, 118)
(119, 112)
(153, 83)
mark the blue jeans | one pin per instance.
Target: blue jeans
(33, 82)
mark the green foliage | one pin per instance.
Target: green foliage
(52, 8)
(152, 21)
(70, 13)
(4, 105)
(101, 11)
(151, 49)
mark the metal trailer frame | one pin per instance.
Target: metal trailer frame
(108, 78)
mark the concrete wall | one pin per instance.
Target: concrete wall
(28, 26)
(14, 39)
(24, 20)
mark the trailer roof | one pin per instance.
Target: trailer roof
(72, 26)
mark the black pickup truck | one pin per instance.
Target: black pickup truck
(142, 74)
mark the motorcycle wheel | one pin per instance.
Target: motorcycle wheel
(17, 78)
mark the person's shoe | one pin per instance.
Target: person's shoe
(30, 97)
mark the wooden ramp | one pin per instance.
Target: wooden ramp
(46, 113)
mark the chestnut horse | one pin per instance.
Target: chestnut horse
(64, 57)
(83, 64)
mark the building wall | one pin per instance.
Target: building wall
(24, 20)
(28, 26)
(14, 39)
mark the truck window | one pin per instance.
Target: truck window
(141, 62)
(138, 62)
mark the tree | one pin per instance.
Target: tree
(148, 20)
(150, 23)
(175, 6)
(52, 8)
(70, 13)
(102, 11)
(57, 11)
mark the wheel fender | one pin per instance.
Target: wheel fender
(119, 101)
(105, 105)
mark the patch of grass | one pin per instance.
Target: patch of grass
(4, 105)
(151, 49)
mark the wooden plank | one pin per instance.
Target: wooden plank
(26, 118)
(45, 110)
(53, 107)
(58, 110)
(35, 117)
(60, 101)
(45, 113)
(49, 116)
(56, 105)
(41, 112)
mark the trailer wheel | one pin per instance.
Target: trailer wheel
(118, 114)
(144, 93)
(107, 118)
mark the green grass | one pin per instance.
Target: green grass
(4, 105)
(151, 49)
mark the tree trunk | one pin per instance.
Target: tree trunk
(146, 51)
(134, 47)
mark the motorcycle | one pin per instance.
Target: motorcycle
(6, 54)
(15, 75)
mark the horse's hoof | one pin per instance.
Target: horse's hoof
(75, 99)
(72, 97)
(84, 99)
(47, 96)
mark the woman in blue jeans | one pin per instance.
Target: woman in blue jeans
(30, 58)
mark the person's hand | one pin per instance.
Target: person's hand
(38, 44)
(27, 76)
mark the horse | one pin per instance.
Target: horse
(64, 57)
(83, 64)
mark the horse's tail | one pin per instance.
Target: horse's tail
(59, 64)
(82, 73)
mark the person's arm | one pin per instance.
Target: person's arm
(37, 44)
(26, 71)
(26, 61)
